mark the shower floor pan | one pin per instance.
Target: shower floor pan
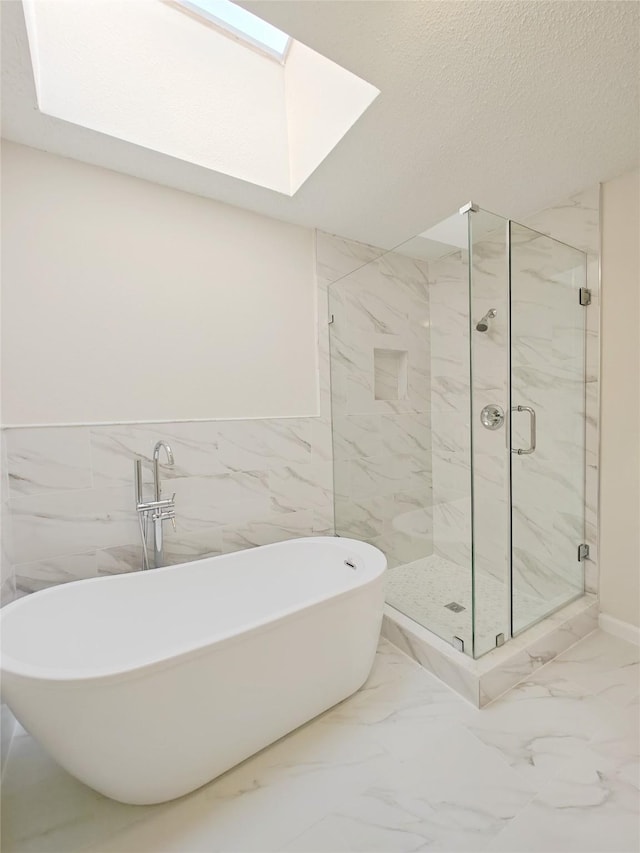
(436, 592)
(483, 680)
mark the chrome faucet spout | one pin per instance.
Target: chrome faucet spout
(157, 510)
(167, 449)
(156, 465)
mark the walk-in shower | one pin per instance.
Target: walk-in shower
(459, 442)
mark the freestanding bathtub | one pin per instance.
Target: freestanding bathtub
(147, 685)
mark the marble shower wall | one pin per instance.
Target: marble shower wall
(450, 405)
(381, 400)
(548, 368)
(576, 221)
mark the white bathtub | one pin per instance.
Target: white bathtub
(147, 685)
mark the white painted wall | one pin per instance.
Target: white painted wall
(124, 300)
(620, 436)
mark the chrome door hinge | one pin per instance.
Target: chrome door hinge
(458, 644)
(583, 552)
(585, 296)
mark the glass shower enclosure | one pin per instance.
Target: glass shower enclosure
(458, 414)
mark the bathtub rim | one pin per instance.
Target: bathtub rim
(13, 667)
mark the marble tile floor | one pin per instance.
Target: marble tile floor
(403, 765)
(422, 588)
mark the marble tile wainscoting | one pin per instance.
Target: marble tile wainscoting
(67, 491)
(237, 484)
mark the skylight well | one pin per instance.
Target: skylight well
(237, 22)
(202, 81)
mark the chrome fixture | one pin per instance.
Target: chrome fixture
(523, 451)
(492, 417)
(483, 325)
(583, 552)
(158, 510)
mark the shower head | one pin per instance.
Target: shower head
(483, 325)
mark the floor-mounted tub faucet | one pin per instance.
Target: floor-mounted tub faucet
(157, 510)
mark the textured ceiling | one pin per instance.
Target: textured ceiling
(512, 104)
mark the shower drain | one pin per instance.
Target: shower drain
(453, 605)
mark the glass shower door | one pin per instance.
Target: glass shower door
(547, 424)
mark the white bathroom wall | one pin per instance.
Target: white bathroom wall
(620, 444)
(67, 491)
(127, 301)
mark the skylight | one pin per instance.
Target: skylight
(251, 104)
(240, 24)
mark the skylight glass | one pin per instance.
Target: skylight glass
(241, 24)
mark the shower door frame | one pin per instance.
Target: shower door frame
(582, 549)
(509, 626)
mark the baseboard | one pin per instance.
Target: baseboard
(623, 630)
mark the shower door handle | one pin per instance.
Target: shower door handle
(523, 451)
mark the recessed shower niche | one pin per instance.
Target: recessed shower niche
(390, 374)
